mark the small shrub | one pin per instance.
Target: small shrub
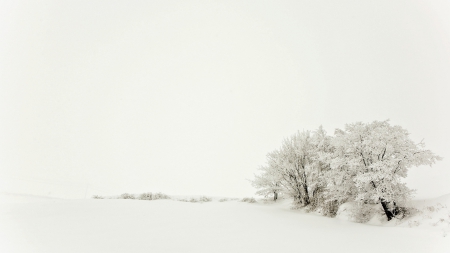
(329, 208)
(249, 200)
(193, 200)
(363, 212)
(97, 197)
(404, 212)
(146, 196)
(160, 195)
(223, 200)
(127, 196)
(205, 199)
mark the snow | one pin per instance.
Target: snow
(38, 224)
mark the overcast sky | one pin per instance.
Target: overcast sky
(188, 97)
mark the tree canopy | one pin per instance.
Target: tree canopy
(364, 163)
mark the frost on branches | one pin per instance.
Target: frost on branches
(363, 163)
(374, 157)
(295, 169)
(267, 182)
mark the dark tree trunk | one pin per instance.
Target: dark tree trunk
(275, 196)
(389, 213)
(306, 197)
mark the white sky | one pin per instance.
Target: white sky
(188, 97)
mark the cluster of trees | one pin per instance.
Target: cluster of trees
(364, 163)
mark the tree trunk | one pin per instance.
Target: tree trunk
(298, 199)
(388, 212)
(275, 196)
(306, 197)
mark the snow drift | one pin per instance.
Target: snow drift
(33, 224)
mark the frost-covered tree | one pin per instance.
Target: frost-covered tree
(268, 182)
(369, 161)
(320, 168)
(286, 170)
(364, 163)
(295, 162)
(295, 169)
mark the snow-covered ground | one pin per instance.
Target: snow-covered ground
(37, 224)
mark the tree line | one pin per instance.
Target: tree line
(364, 163)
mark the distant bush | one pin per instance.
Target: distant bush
(195, 200)
(248, 200)
(228, 199)
(127, 196)
(205, 199)
(97, 197)
(405, 212)
(146, 196)
(160, 195)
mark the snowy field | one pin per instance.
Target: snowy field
(38, 224)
